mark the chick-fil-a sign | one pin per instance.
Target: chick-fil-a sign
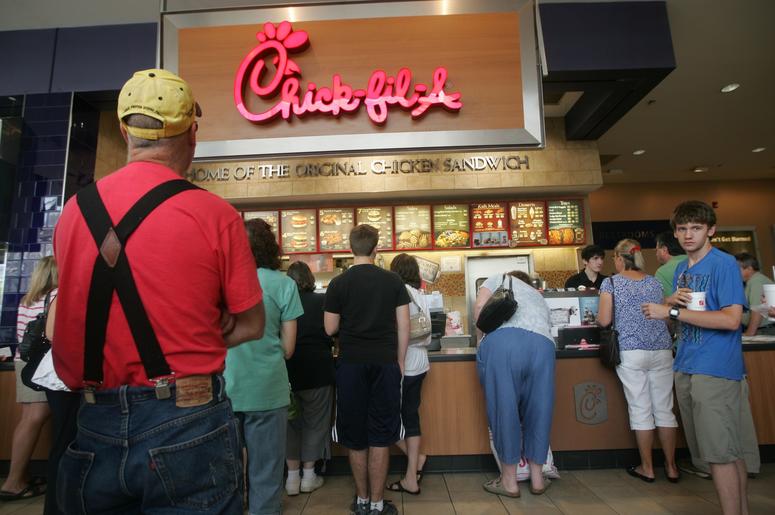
(382, 90)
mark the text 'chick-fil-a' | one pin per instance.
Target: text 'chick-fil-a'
(381, 92)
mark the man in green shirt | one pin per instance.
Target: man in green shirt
(669, 255)
(753, 321)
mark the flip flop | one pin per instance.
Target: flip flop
(494, 486)
(32, 490)
(419, 470)
(634, 473)
(396, 486)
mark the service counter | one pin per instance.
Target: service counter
(590, 412)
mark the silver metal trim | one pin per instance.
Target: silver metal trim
(531, 136)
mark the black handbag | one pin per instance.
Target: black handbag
(498, 308)
(34, 346)
(609, 337)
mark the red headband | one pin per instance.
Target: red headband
(634, 250)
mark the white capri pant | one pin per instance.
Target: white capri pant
(647, 378)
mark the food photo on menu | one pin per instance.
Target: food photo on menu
(528, 225)
(566, 222)
(450, 226)
(382, 219)
(298, 229)
(335, 226)
(413, 227)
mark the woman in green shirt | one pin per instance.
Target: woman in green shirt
(256, 377)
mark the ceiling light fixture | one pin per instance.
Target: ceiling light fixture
(638, 152)
(759, 149)
(729, 88)
(700, 169)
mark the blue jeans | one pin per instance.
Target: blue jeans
(265, 438)
(135, 453)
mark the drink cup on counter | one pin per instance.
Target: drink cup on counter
(698, 301)
(769, 294)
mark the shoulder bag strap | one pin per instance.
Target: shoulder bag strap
(613, 303)
(112, 272)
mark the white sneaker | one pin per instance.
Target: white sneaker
(292, 486)
(310, 485)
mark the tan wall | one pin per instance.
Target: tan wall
(739, 203)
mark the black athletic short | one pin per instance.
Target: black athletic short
(368, 405)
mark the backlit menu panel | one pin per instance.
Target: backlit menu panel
(528, 223)
(335, 225)
(382, 219)
(270, 217)
(413, 227)
(299, 230)
(450, 226)
(489, 225)
(566, 222)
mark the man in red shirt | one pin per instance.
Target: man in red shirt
(151, 294)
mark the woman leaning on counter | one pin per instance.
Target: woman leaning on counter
(516, 369)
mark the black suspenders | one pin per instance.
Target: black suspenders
(112, 273)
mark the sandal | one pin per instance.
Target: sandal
(494, 486)
(397, 486)
(32, 490)
(419, 470)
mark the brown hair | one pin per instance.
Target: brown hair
(44, 279)
(693, 211)
(363, 239)
(263, 244)
(302, 275)
(522, 276)
(407, 268)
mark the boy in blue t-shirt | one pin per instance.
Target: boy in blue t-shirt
(709, 364)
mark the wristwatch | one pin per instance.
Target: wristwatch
(674, 312)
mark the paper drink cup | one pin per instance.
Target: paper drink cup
(769, 294)
(698, 301)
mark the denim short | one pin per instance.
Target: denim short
(135, 453)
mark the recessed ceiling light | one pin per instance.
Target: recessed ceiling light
(638, 152)
(759, 149)
(729, 88)
(700, 169)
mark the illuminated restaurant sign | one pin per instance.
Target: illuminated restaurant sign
(381, 92)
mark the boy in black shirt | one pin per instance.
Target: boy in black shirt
(593, 257)
(369, 308)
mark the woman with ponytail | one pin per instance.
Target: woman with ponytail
(646, 370)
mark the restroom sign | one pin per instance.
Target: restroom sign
(377, 97)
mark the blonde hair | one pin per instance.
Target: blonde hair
(629, 251)
(44, 279)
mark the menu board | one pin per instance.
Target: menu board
(489, 225)
(450, 226)
(382, 219)
(334, 228)
(299, 231)
(270, 217)
(528, 224)
(413, 227)
(566, 222)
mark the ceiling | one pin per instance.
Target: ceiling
(685, 121)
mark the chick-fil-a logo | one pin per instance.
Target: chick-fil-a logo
(381, 92)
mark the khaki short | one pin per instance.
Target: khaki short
(711, 413)
(23, 392)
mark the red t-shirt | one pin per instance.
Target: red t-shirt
(190, 258)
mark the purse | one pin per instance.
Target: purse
(498, 308)
(419, 324)
(609, 337)
(34, 342)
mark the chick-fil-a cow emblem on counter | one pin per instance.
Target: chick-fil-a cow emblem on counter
(381, 92)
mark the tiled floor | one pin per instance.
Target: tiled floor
(586, 492)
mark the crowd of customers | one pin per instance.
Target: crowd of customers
(225, 356)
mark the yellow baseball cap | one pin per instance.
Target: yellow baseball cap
(162, 95)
